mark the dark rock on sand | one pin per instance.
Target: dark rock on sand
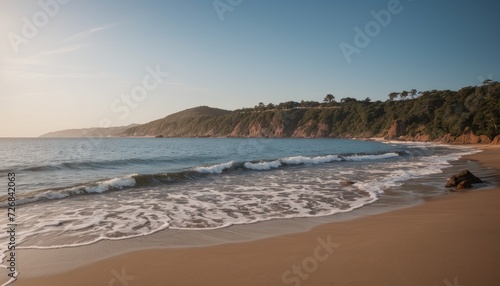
(464, 179)
(464, 185)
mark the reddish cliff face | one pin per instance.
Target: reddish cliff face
(496, 140)
(272, 124)
(422, 137)
(278, 127)
(397, 130)
(467, 138)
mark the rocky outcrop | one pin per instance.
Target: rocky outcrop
(466, 184)
(462, 180)
(312, 129)
(466, 138)
(397, 130)
(496, 140)
(422, 137)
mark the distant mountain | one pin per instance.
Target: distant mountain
(470, 115)
(89, 132)
(185, 123)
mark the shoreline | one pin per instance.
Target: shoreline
(34, 258)
(165, 269)
(376, 139)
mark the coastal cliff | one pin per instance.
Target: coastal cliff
(468, 116)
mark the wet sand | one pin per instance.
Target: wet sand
(449, 240)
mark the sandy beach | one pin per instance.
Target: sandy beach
(448, 240)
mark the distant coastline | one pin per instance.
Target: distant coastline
(88, 132)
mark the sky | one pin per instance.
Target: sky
(79, 64)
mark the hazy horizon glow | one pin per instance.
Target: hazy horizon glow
(113, 63)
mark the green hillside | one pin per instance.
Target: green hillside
(470, 115)
(186, 123)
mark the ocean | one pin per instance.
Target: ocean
(72, 192)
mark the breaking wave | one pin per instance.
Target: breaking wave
(143, 180)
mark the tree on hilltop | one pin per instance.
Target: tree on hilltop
(329, 98)
(404, 94)
(393, 95)
(413, 93)
(348, 99)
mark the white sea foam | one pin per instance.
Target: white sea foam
(370, 157)
(117, 183)
(228, 200)
(215, 169)
(99, 187)
(296, 160)
(56, 196)
(129, 181)
(263, 165)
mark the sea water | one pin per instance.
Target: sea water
(73, 192)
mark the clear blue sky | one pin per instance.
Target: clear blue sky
(72, 72)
